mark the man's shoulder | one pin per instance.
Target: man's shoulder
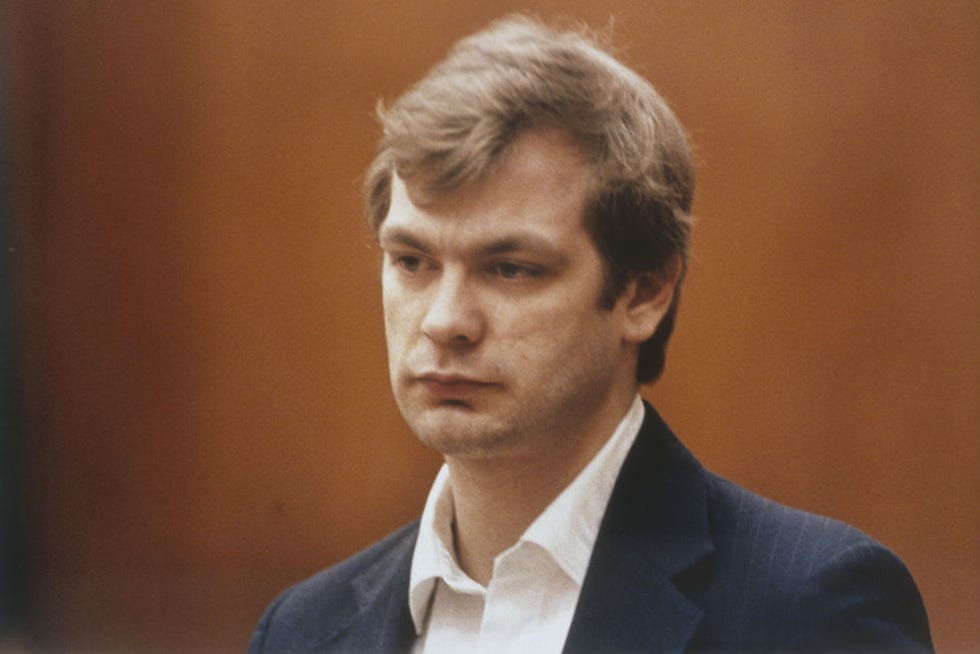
(776, 544)
(739, 521)
(822, 580)
(325, 602)
(738, 513)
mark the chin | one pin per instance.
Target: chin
(459, 432)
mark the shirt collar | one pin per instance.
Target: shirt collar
(567, 529)
(434, 557)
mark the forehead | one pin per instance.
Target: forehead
(540, 186)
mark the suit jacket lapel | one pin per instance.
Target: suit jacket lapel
(382, 622)
(654, 530)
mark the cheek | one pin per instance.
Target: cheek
(393, 320)
(393, 303)
(402, 316)
(551, 332)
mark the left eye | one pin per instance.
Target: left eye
(509, 270)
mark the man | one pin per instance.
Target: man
(531, 196)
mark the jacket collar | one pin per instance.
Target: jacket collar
(655, 529)
(379, 619)
(386, 605)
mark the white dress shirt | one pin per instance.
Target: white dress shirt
(529, 602)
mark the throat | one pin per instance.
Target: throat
(494, 504)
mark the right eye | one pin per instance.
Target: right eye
(409, 263)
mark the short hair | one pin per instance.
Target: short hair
(450, 128)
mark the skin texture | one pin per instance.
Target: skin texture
(500, 354)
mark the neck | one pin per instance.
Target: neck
(497, 498)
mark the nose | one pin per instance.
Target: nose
(453, 318)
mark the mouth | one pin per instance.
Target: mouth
(450, 388)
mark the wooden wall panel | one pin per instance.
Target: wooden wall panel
(202, 376)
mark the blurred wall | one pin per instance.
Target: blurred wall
(202, 378)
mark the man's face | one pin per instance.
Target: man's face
(497, 343)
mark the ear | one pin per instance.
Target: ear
(647, 298)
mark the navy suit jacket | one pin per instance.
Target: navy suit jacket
(684, 561)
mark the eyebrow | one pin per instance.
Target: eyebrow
(402, 236)
(523, 242)
(504, 245)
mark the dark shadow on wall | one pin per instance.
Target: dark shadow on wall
(12, 576)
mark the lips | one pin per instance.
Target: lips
(451, 386)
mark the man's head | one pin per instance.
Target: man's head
(450, 131)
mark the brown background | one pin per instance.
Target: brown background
(206, 415)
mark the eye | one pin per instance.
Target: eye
(408, 263)
(511, 270)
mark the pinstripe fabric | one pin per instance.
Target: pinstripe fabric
(685, 561)
(788, 580)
